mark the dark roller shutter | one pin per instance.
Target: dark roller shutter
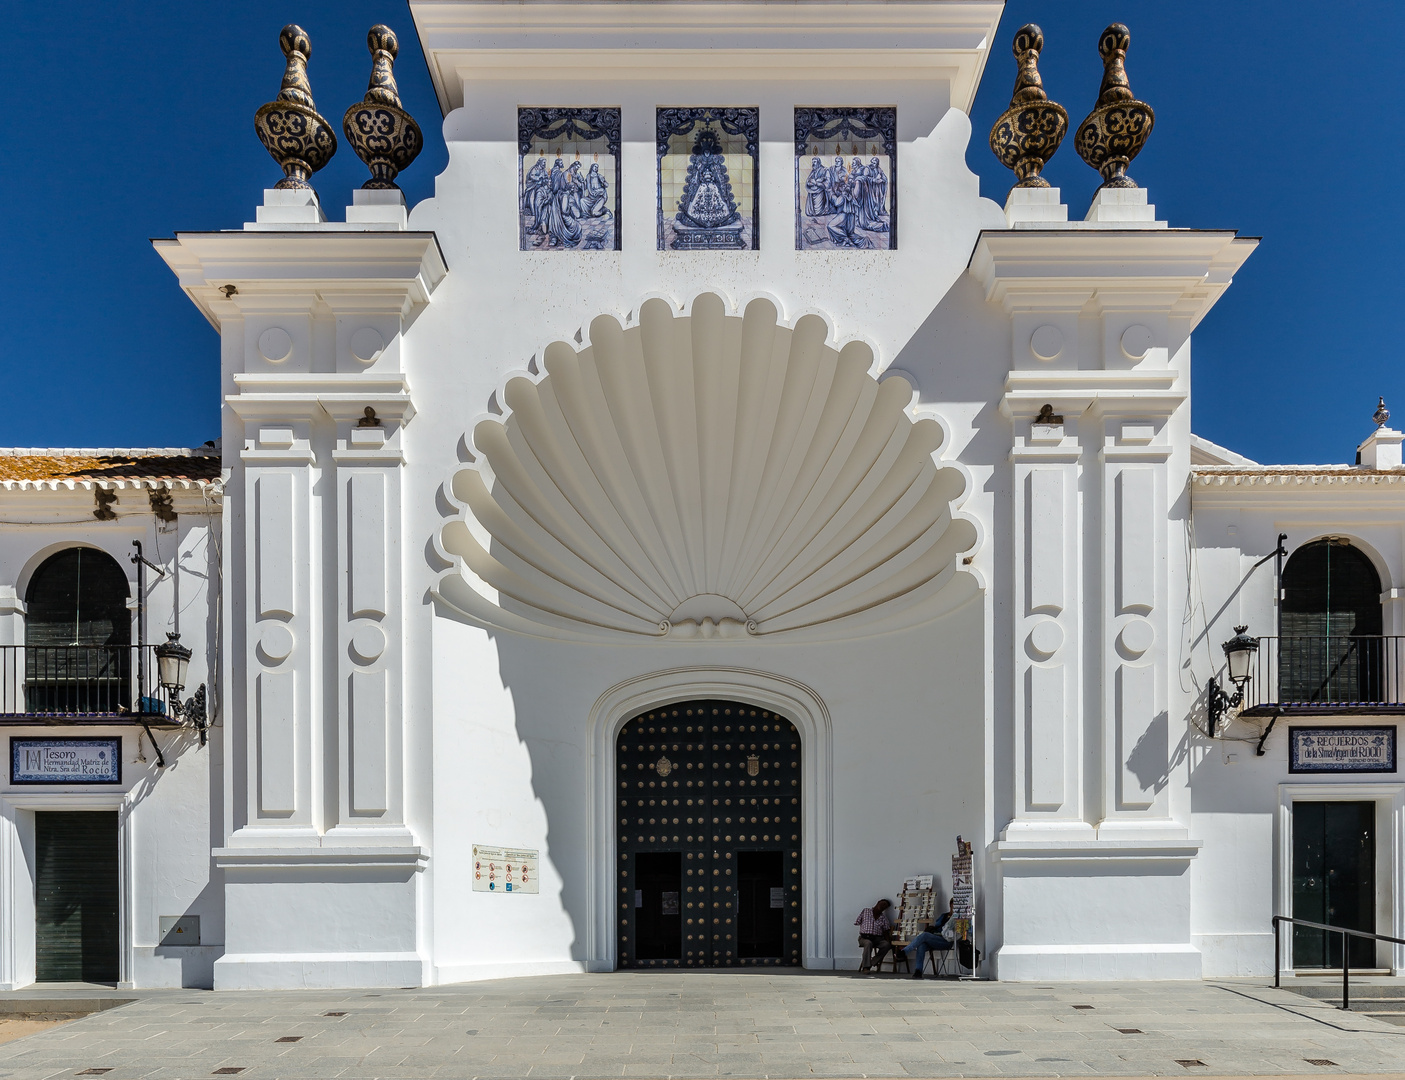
(76, 917)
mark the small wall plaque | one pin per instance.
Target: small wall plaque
(65, 761)
(507, 870)
(1341, 749)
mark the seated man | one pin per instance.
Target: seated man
(874, 927)
(929, 939)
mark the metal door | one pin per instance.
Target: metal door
(1334, 880)
(709, 837)
(76, 937)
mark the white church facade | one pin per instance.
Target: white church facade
(671, 536)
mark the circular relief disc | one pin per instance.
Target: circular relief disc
(275, 344)
(275, 642)
(1047, 342)
(368, 642)
(1136, 637)
(366, 344)
(1046, 637)
(1136, 341)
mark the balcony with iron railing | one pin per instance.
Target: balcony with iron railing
(82, 685)
(1327, 674)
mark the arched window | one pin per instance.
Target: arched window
(78, 635)
(1331, 649)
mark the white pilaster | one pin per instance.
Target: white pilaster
(1098, 320)
(314, 319)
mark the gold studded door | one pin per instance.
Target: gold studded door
(709, 837)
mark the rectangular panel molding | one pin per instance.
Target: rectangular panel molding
(1141, 736)
(366, 533)
(273, 523)
(1136, 539)
(277, 742)
(368, 745)
(1044, 707)
(1044, 529)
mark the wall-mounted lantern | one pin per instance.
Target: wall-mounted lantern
(1239, 654)
(172, 663)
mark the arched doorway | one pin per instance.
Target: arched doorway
(1331, 649)
(77, 635)
(709, 837)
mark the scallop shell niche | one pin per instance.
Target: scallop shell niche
(706, 476)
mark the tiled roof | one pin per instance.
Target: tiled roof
(163, 467)
(1295, 475)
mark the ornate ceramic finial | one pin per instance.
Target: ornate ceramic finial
(1382, 415)
(290, 127)
(383, 134)
(1030, 130)
(1117, 128)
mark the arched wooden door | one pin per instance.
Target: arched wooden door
(709, 837)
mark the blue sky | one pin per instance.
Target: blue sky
(137, 121)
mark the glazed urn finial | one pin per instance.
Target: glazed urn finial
(382, 133)
(1382, 414)
(1026, 135)
(1117, 128)
(290, 127)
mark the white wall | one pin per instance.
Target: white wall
(168, 817)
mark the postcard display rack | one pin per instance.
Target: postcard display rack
(916, 908)
(963, 894)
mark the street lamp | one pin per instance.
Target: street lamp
(172, 663)
(1239, 654)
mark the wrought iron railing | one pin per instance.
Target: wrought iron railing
(1280, 920)
(79, 680)
(1327, 670)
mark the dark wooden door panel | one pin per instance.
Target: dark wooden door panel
(713, 788)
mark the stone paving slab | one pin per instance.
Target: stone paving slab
(750, 1025)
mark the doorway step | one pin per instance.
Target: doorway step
(1380, 996)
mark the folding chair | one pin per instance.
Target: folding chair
(894, 957)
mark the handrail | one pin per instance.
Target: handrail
(1278, 920)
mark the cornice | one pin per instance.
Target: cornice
(1181, 272)
(265, 267)
(341, 396)
(689, 40)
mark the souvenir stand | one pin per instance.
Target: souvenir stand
(963, 912)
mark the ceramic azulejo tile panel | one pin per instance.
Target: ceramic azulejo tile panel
(846, 170)
(708, 192)
(569, 179)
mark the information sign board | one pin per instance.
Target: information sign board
(1341, 749)
(65, 761)
(507, 870)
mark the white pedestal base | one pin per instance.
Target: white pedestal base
(1093, 910)
(1122, 208)
(296, 208)
(324, 971)
(335, 916)
(1035, 208)
(1095, 963)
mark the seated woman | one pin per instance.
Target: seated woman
(930, 939)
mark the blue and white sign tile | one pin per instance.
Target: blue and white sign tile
(707, 179)
(65, 761)
(1341, 749)
(568, 179)
(846, 172)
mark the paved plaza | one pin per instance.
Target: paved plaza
(701, 1024)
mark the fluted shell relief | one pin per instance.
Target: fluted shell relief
(705, 476)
